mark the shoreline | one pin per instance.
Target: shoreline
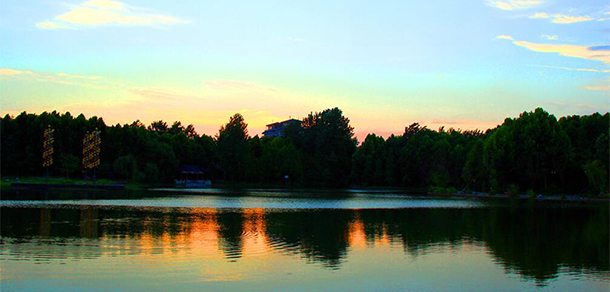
(556, 198)
(37, 186)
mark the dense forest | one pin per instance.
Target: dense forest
(532, 153)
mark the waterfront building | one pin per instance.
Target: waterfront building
(277, 129)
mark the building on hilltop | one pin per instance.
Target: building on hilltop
(277, 129)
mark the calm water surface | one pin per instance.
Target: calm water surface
(217, 240)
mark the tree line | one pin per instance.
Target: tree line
(534, 152)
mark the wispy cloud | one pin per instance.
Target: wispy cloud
(107, 4)
(603, 85)
(513, 4)
(598, 87)
(60, 78)
(235, 85)
(540, 15)
(160, 95)
(593, 52)
(573, 104)
(13, 72)
(576, 69)
(106, 12)
(550, 37)
(452, 122)
(505, 37)
(66, 75)
(567, 19)
(52, 25)
(573, 51)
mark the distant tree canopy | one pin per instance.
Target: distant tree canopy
(532, 152)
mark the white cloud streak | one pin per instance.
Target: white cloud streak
(105, 12)
(505, 37)
(550, 37)
(564, 18)
(513, 4)
(59, 78)
(599, 53)
(577, 69)
(604, 85)
(540, 15)
(568, 19)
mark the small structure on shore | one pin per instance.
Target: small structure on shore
(277, 129)
(192, 176)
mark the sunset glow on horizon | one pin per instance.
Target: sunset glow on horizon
(457, 64)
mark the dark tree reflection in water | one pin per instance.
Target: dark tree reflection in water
(536, 242)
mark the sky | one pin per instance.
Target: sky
(386, 64)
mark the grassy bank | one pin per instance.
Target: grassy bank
(7, 181)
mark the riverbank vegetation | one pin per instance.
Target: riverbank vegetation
(534, 153)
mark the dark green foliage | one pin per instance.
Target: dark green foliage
(160, 126)
(126, 150)
(368, 162)
(328, 146)
(162, 155)
(475, 170)
(68, 164)
(151, 173)
(597, 175)
(233, 148)
(589, 139)
(125, 167)
(532, 152)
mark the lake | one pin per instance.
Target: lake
(222, 240)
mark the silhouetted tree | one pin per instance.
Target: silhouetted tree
(233, 149)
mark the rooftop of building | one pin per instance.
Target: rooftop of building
(285, 122)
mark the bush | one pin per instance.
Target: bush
(140, 176)
(513, 190)
(69, 164)
(495, 187)
(151, 173)
(439, 190)
(597, 176)
(125, 166)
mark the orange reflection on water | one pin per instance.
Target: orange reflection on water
(357, 237)
(202, 230)
(254, 234)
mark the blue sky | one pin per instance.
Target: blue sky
(462, 64)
